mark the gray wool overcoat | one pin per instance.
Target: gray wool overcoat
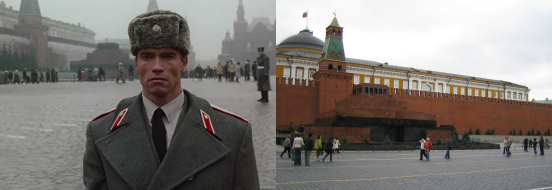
(124, 157)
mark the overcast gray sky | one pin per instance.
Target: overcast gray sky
(503, 40)
(208, 19)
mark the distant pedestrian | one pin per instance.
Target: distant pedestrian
(546, 143)
(541, 145)
(525, 142)
(329, 149)
(530, 143)
(296, 147)
(422, 150)
(287, 147)
(428, 146)
(535, 145)
(448, 145)
(507, 145)
(323, 147)
(318, 147)
(336, 146)
(309, 144)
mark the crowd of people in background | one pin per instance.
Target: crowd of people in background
(299, 144)
(32, 77)
(231, 71)
(91, 74)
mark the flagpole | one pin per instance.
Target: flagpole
(307, 19)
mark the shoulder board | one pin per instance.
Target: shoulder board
(229, 113)
(103, 114)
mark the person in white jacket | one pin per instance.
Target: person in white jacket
(336, 146)
(297, 145)
(238, 72)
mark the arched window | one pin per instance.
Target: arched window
(426, 87)
(330, 67)
(334, 31)
(339, 67)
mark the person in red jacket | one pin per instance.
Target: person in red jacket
(428, 146)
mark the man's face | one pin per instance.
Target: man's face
(160, 69)
(261, 52)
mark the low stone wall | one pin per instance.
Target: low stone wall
(409, 147)
(500, 138)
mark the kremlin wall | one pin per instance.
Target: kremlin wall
(327, 97)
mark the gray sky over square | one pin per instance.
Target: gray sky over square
(502, 40)
(208, 19)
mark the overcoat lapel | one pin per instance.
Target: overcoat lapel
(191, 150)
(127, 148)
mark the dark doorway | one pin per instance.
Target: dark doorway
(396, 133)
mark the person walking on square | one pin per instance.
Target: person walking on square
(448, 145)
(546, 143)
(428, 146)
(423, 150)
(541, 145)
(287, 147)
(507, 145)
(247, 71)
(219, 71)
(525, 142)
(530, 143)
(165, 137)
(323, 146)
(297, 144)
(254, 70)
(318, 147)
(238, 72)
(309, 144)
(336, 145)
(329, 149)
(535, 145)
(263, 82)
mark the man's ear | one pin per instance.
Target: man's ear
(136, 64)
(184, 64)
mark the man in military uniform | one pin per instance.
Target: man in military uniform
(120, 73)
(166, 137)
(247, 69)
(263, 82)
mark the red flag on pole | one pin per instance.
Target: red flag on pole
(305, 15)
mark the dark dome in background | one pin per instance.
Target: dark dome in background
(304, 39)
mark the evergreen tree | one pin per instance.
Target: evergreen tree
(387, 141)
(548, 132)
(477, 132)
(514, 131)
(454, 135)
(538, 132)
(466, 138)
(301, 128)
(470, 132)
(528, 132)
(344, 139)
(520, 132)
(488, 132)
(510, 132)
(291, 128)
(532, 131)
(492, 131)
(366, 141)
(438, 141)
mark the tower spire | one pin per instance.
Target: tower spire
(152, 6)
(30, 7)
(241, 12)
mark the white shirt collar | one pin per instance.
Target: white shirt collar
(170, 109)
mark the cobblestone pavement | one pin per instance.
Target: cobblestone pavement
(42, 127)
(466, 169)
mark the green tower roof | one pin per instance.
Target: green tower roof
(334, 22)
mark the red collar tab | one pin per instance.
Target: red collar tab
(103, 114)
(207, 122)
(229, 113)
(119, 119)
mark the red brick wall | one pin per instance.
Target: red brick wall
(295, 103)
(354, 135)
(443, 134)
(484, 113)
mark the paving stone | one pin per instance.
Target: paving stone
(403, 170)
(42, 133)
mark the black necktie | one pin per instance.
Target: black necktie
(159, 133)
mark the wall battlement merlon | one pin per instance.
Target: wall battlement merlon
(296, 82)
(447, 96)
